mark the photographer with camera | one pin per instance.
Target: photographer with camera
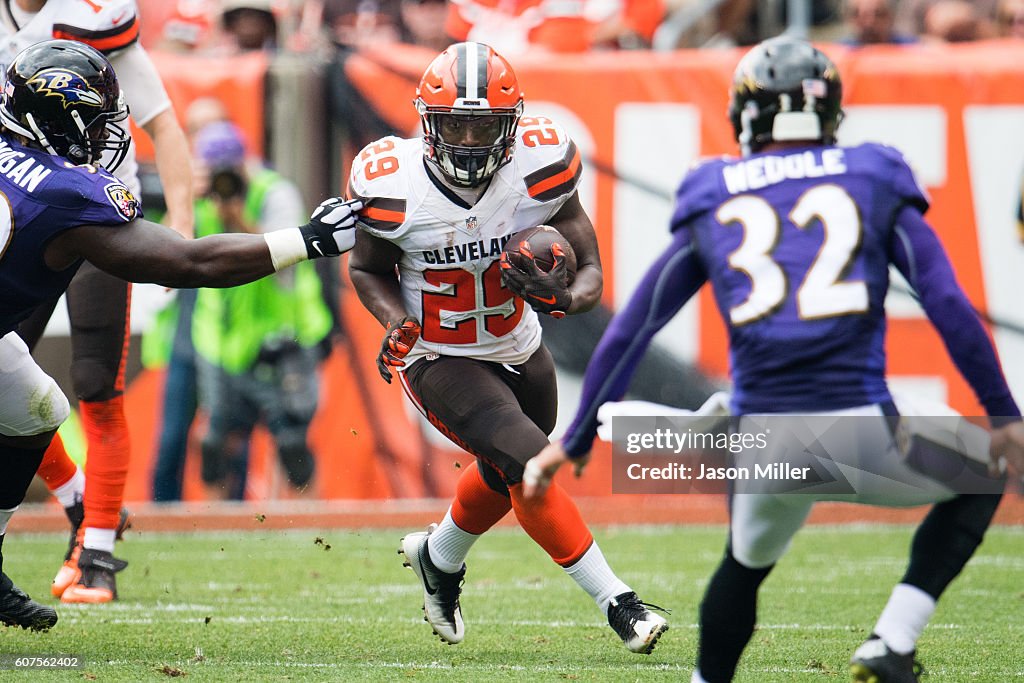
(257, 345)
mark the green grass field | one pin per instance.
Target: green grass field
(282, 606)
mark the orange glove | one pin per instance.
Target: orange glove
(398, 342)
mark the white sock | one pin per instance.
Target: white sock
(99, 539)
(593, 575)
(904, 618)
(71, 491)
(696, 677)
(5, 517)
(449, 545)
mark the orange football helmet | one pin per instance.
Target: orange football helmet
(469, 102)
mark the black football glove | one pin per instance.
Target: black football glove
(546, 292)
(331, 229)
(398, 342)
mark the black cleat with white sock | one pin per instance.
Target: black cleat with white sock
(76, 515)
(638, 626)
(874, 662)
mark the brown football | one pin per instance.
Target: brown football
(540, 239)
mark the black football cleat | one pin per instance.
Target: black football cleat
(69, 574)
(18, 609)
(874, 662)
(98, 583)
(638, 626)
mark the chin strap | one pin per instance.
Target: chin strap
(39, 136)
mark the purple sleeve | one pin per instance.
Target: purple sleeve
(919, 256)
(669, 283)
(900, 177)
(697, 193)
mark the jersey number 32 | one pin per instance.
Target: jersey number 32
(823, 293)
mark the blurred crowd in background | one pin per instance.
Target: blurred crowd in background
(515, 26)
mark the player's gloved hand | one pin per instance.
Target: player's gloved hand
(546, 292)
(331, 229)
(398, 342)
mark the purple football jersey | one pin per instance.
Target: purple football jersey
(46, 195)
(796, 245)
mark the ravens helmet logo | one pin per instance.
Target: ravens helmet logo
(67, 85)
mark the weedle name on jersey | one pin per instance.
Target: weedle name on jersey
(762, 171)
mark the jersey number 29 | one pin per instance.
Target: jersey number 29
(459, 300)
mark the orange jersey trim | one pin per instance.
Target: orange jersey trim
(557, 179)
(105, 41)
(384, 215)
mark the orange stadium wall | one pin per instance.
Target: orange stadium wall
(956, 113)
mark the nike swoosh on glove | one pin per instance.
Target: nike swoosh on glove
(545, 292)
(398, 342)
(331, 229)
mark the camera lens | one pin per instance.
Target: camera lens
(227, 183)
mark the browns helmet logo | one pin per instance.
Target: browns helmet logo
(123, 200)
(67, 85)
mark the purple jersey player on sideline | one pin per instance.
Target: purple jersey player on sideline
(796, 238)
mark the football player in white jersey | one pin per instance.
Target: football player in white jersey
(98, 302)
(466, 343)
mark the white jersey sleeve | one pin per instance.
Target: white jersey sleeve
(141, 84)
(380, 179)
(548, 164)
(107, 25)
